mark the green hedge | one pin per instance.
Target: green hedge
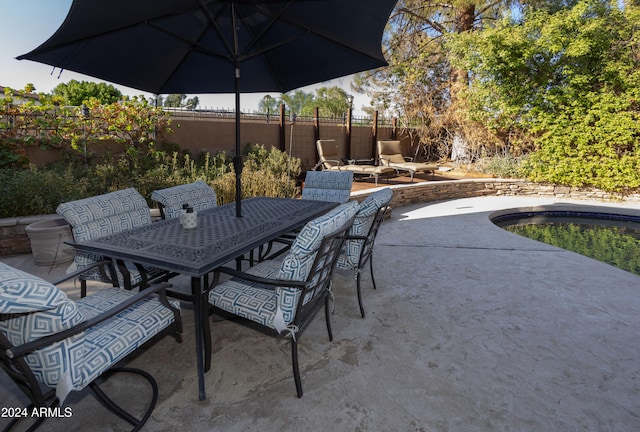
(35, 191)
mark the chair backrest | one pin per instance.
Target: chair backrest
(198, 195)
(31, 308)
(390, 152)
(328, 153)
(334, 186)
(365, 227)
(312, 258)
(98, 216)
(48, 339)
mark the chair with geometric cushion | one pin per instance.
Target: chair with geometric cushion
(198, 195)
(101, 215)
(282, 297)
(51, 345)
(330, 161)
(390, 155)
(358, 247)
(334, 186)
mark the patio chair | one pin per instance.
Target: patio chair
(198, 195)
(330, 161)
(390, 155)
(51, 345)
(334, 186)
(358, 248)
(282, 297)
(98, 216)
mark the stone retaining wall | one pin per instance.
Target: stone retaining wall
(14, 240)
(446, 190)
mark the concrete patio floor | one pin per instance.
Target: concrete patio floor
(471, 328)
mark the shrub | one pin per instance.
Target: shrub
(254, 183)
(35, 191)
(506, 166)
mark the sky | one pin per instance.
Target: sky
(25, 24)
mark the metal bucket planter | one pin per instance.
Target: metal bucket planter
(48, 239)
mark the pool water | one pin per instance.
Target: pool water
(615, 242)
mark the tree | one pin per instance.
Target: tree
(192, 103)
(268, 105)
(421, 86)
(76, 93)
(569, 81)
(332, 101)
(47, 123)
(299, 102)
(174, 100)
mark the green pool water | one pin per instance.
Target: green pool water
(615, 242)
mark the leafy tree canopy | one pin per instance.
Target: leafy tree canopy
(566, 81)
(76, 93)
(174, 100)
(330, 101)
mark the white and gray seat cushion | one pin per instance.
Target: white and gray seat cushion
(32, 308)
(198, 195)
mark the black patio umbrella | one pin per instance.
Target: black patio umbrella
(218, 46)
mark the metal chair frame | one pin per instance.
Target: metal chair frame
(12, 360)
(317, 285)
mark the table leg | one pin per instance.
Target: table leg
(206, 331)
(196, 287)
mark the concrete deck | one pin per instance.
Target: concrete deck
(471, 328)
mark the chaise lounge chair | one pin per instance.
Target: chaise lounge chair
(390, 155)
(330, 161)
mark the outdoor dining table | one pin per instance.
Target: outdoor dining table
(218, 238)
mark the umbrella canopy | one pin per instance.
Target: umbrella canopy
(218, 46)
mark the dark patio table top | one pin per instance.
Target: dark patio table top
(219, 237)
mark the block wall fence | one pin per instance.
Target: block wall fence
(197, 135)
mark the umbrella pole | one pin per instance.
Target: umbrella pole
(237, 159)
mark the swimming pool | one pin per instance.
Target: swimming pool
(612, 238)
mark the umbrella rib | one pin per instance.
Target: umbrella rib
(194, 44)
(274, 19)
(255, 41)
(213, 21)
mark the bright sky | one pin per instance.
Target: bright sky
(25, 24)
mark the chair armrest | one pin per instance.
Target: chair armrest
(322, 162)
(78, 272)
(57, 337)
(253, 278)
